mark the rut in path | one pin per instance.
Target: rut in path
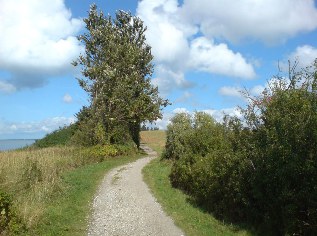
(124, 205)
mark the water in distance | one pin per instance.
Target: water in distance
(11, 144)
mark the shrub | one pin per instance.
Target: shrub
(285, 160)
(260, 170)
(9, 222)
(100, 152)
(177, 136)
(202, 138)
(181, 173)
(62, 136)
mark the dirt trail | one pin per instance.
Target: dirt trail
(124, 205)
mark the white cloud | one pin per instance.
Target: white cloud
(230, 91)
(162, 123)
(268, 20)
(175, 49)
(67, 98)
(305, 55)
(218, 115)
(167, 116)
(46, 126)
(167, 79)
(207, 56)
(6, 87)
(180, 110)
(166, 33)
(173, 28)
(257, 90)
(37, 40)
(185, 97)
(237, 92)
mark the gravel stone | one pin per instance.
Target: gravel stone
(124, 205)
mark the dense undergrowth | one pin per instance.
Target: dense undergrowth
(260, 170)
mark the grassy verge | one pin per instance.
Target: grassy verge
(67, 214)
(186, 215)
(51, 187)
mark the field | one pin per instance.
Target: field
(155, 139)
(192, 219)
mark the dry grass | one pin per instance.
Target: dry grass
(33, 177)
(37, 181)
(156, 139)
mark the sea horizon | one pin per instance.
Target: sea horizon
(12, 144)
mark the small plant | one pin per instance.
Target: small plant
(32, 173)
(9, 222)
(5, 207)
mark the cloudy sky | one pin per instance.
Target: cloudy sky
(205, 52)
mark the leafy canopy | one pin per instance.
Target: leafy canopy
(117, 66)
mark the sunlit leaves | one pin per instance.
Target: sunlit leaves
(116, 67)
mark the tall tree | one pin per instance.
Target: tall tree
(117, 67)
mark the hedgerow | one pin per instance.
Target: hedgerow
(260, 170)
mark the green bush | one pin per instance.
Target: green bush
(100, 152)
(284, 187)
(177, 136)
(62, 136)
(210, 170)
(217, 185)
(10, 224)
(202, 137)
(181, 174)
(260, 170)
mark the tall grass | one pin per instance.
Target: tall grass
(33, 177)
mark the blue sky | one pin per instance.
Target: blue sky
(205, 52)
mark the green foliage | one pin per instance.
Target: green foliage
(260, 170)
(10, 224)
(101, 152)
(205, 168)
(62, 136)
(176, 136)
(117, 66)
(191, 219)
(285, 166)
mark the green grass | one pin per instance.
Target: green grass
(191, 219)
(68, 214)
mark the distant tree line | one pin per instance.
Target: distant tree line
(259, 170)
(147, 128)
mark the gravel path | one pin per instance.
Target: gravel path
(124, 205)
